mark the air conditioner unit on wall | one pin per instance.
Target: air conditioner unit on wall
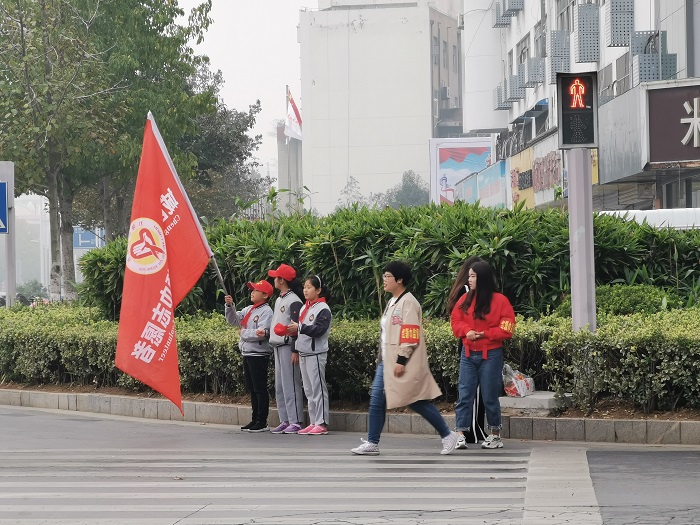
(445, 92)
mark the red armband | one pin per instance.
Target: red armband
(507, 326)
(410, 334)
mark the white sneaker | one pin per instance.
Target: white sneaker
(366, 449)
(492, 441)
(449, 443)
(462, 443)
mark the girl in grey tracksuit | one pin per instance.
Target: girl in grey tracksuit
(312, 344)
(254, 322)
(288, 385)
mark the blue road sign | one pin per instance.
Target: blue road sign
(4, 227)
(85, 238)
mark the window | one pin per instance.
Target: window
(454, 58)
(565, 14)
(510, 63)
(622, 74)
(605, 80)
(540, 37)
(444, 54)
(522, 49)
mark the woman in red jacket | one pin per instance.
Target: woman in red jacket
(482, 319)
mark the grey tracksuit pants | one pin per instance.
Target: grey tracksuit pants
(288, 386)
(313, 373)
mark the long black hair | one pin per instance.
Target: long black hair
(296, 287)
(458, 288)
(485, 287)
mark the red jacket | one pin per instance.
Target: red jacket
(497, 326)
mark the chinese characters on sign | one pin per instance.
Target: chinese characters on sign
(674, 124)
(693, 122)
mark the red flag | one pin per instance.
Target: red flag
(166, 255)
(292, 124)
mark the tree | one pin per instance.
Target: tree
(77, 78)
(160, 73)
(351, 194)
(226, 171)
(53, 95)
(413, 191)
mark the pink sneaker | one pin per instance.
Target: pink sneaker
(318, 430)
(306, 430)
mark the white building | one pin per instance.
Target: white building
(647, 56)
(379, 79)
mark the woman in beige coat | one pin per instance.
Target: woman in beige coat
(403, 377)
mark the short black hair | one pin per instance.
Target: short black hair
(400, 270)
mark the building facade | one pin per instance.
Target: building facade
(379, 79)
(647, 57)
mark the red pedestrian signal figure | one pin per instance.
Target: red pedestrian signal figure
(577, 90)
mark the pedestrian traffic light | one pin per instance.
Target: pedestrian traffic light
(577, 110)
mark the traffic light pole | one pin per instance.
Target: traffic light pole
(583, 309)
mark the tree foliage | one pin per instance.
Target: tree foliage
(77, 79)
(411, 191)
(528, 249)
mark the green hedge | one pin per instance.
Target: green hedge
(60, 344)
(652, 360)
(529, 250)
(621, 299)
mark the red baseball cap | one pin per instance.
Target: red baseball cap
(262, 286)
(284, 271)
(281, 329)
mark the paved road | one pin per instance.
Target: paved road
(650, 486)
(73, 468)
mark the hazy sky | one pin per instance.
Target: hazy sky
(254, 44)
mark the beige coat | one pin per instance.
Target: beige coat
(405, 337)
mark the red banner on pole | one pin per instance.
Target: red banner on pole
(166, 255)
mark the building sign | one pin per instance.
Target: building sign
(674, 124)
(87, 239)
(4, 227)
(453, 160)
(546, 171)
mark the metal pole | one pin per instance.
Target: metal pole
(583, 310)
(7, 174)
(219, 276)
(658, 34)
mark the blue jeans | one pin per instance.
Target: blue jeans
(377, 410)
(475, 371)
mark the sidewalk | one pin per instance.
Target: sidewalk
(516, 424)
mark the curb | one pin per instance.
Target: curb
(652, 432)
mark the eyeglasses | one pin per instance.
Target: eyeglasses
(387, 276)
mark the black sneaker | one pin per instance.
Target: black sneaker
(246, 428)
(258, 427)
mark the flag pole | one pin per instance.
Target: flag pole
(219, 276)
(289, 154)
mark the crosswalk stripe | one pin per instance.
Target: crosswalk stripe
(265, 486)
